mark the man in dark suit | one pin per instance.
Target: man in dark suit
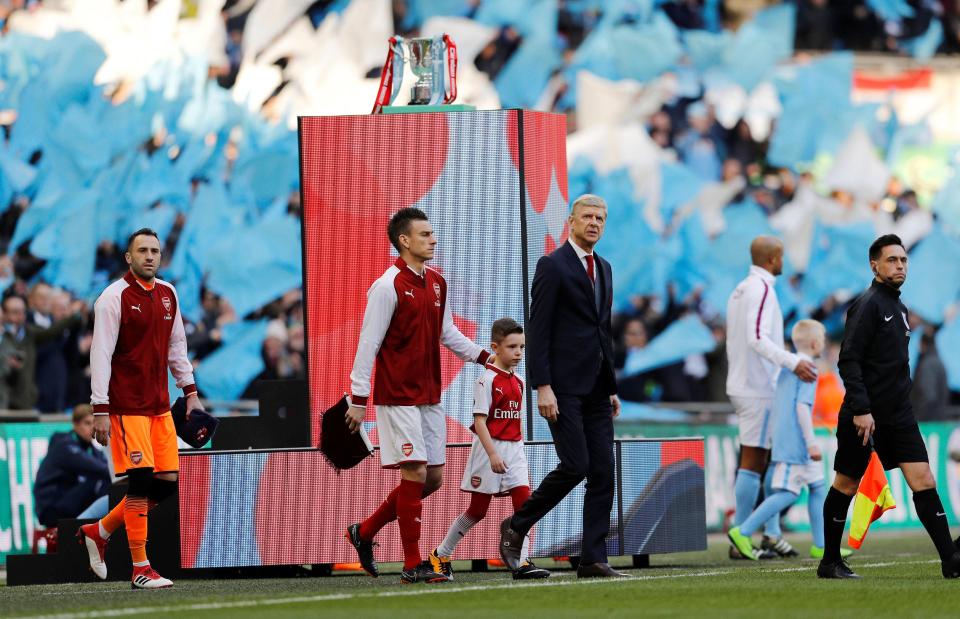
(570, 362)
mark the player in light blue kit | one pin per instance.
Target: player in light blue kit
(796, 459)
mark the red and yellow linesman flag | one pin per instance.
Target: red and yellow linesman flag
(873, 498)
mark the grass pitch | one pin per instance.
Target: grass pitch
(901, 578)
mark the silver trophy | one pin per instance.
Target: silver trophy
(434, 63)
(421, 63)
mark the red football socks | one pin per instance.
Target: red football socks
(409, 510)
(385, 514)
(519, 496)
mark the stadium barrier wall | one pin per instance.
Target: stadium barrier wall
(721, 455)
(277, 507)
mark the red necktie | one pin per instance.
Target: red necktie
(593, 279)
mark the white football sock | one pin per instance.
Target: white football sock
(525, 550)
(103, 532)
(458, 528)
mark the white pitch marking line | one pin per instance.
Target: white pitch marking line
(436, 589)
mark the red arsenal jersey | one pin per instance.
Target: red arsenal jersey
(406, 320)
(499, 395)
(137, 335)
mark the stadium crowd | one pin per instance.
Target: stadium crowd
(44, 355)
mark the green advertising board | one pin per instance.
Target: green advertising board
(22, 448)
(720, 468)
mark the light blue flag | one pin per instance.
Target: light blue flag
(19, 175)
(270, 174)
(160, 219)
(838, 261)
(632, 412)
(815, 101)
(678, 185)
(934, 282)
(252, 267)
(531, 18)
(73, 59)
(35, 120)
(419, 11)
(525, 76)
(211, 220)
(79, 135)
(226, 372)
(925, 46)
(630, 51)
(684, 337)
(891, 10)
(23, 57)
(946, 204)
(706, 49)
(948, 344)
(614, 12)
(726, 259)
(759, 44)
(69, 244)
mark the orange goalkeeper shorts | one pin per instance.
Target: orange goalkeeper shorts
(142, 441)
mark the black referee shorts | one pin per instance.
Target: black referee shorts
(894, 444)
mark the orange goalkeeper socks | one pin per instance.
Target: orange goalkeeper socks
(112, 521)
(135, 518)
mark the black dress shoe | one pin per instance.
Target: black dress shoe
(598, 570)
(511, 543)
(835, 569)
(951, 567)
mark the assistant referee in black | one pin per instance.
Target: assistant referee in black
(875, 370)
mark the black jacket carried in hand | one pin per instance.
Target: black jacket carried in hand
(874, 360)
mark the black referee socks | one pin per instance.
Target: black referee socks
(934, 518)
(834, 519)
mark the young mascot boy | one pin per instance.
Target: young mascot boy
(497, 465)
(796, 459)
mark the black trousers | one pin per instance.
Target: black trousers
(73, 500)
(583, 438)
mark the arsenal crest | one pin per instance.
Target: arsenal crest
(406, 448)
(136, 457)
(166, 303)
(436, 289)
(475, 481)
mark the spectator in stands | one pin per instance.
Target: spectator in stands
(56, 357)
(931, 393)
(814, 25)
(38, 305)
(635, 388)
(74, 473)
(697, 147)
(26, 338)
(10, 361)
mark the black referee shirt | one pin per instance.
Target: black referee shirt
(874, 361)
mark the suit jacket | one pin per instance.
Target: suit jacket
(569, 345)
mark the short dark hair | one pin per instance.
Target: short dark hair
(876, 248)
(141, 232)
(400, 223)
(502, 327)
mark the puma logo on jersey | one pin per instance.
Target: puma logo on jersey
(136, 307)
(409, 293)
(498, 390)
